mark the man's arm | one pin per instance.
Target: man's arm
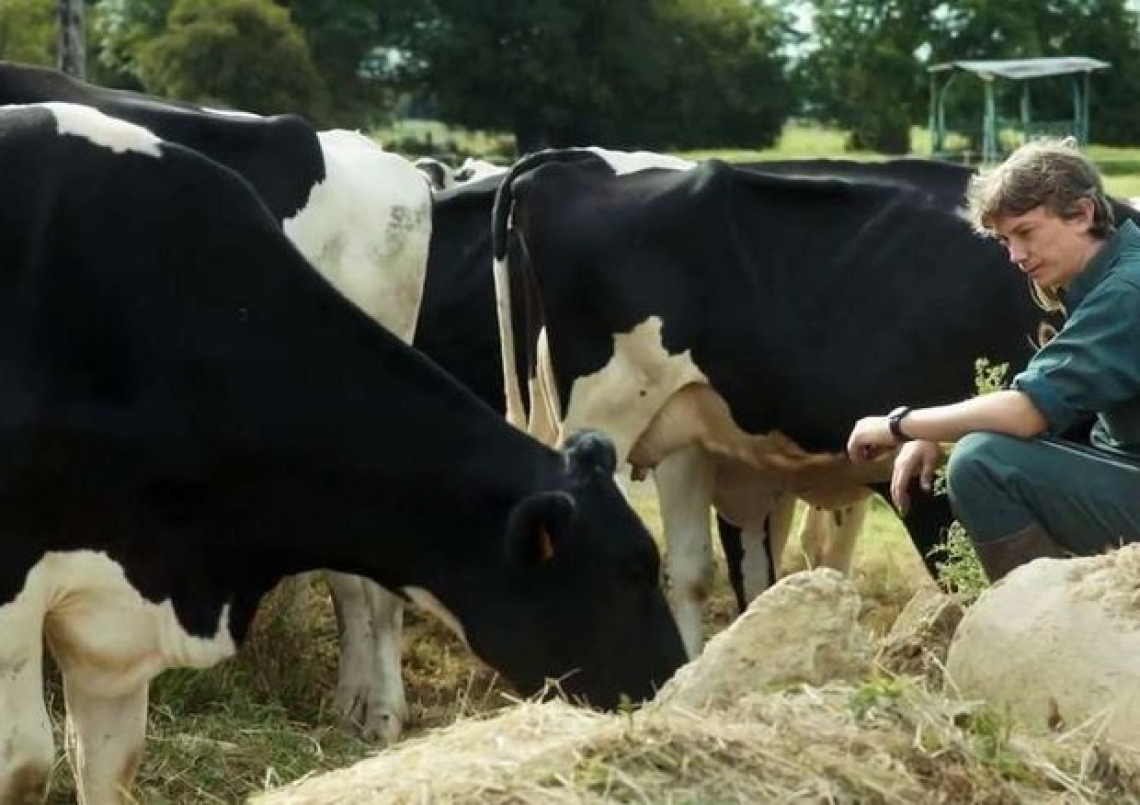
(1008, 411)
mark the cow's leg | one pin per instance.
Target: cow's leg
(732, 546)
(106, 732)
(27, 752)
(764, 541)
(684, 488)
(370, 690)
(839, 549)
(814, 534)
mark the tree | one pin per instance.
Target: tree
(27, 31)
(646, 73)
(340, 34)
(240, 53)
(119, 30)
(72, 38)
(867, 75)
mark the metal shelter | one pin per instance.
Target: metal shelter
(1024, 70)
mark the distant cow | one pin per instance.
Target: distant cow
(189, 412)
(439, 174)
(362, 217)
(472, 170)
(727, 326)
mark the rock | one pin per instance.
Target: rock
(804, 629)
(1057, 643)
(920, 636)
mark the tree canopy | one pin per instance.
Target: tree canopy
(661, 74)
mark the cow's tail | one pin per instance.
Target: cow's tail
(513, 281)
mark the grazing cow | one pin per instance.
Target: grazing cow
(362, 217)
(726, 326)
(190, 412)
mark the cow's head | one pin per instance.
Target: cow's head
(582, 585)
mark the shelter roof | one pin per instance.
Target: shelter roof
(1020, 69)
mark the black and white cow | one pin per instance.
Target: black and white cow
(727, 325)
(458, 329)
(189, 412)
(362, 216)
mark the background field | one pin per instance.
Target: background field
(261, 720)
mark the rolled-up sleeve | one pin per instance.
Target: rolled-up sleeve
(1093, 363)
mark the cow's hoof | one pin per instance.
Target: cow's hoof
(371, 719)
(26, 785)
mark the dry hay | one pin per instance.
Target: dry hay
(887, 741)
(789, 724)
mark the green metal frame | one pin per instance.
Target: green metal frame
(1024, 70)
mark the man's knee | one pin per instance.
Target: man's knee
(973, 462)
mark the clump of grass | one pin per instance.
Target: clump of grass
(959, 569)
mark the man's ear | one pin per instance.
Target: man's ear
(538, 528)
(1087, 214)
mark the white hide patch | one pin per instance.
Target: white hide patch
(231, 113)
(623, 396)
(102, 130)
(98, 623)
(366, 228)
(429, 603)
(472, 170)
(624, 162)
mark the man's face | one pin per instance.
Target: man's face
(1049, 249)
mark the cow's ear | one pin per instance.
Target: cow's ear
(537, 528)
(591, 451)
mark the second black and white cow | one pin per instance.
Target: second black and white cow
(362, 217)
(189, 412)
(458, 329)
(726, 326)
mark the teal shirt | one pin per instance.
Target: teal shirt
(1092, 366)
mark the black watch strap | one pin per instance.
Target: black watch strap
(894, 422)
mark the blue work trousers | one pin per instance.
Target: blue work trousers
(1086, 499)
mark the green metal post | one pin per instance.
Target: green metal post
(1025, 111)
(989, 135)
(1085, 110)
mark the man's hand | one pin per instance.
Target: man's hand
(870, 437)
(919, 458)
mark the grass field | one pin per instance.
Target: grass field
(1120, 166)
(260, 720)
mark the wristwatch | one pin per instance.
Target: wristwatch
(894, 422)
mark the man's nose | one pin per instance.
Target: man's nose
(1016, 253)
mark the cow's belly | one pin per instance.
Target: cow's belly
(742, 497)
(103, 633)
